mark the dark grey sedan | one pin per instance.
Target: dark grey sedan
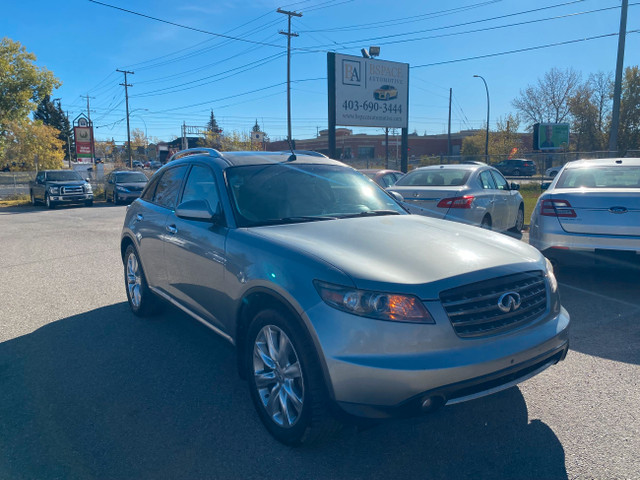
(124, 186)
(339, 302)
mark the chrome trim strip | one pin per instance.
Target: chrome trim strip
(192, 314)
(504, 386)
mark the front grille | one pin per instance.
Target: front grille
(474, 312)
(71, 190)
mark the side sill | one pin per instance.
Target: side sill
(192, 314)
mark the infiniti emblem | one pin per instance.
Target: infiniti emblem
(508, 302)
(618, 210)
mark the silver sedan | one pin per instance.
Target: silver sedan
(590, 210)
(471, 194)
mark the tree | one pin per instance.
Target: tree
(22, 84)
(51, 114)
(602, 85)
(256, 127)
(212, 124)
(548, 100)
(502, 141)
(629, 130)
(584, 125)
(30, 142)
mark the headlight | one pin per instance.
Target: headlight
(54, 190)
(87, 188)
(379, 305)
(553, 283)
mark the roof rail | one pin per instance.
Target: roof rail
(195, 151)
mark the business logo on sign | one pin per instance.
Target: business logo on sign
(351, 73)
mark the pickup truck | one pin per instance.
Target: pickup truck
(55, 187)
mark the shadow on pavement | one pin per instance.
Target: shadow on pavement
(107, 395)
(605, 307)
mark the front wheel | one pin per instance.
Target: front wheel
(142, 301)
(89, 203)
(47, 201)
(33, 198)
(286, 382)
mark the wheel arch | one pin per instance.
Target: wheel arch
(260, 298)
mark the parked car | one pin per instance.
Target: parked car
(124, 186)
(552, 172)
(472, 194)
(57, 187)
(137, 164)
(517, 167)
(384, 178)
(155, 164)
(591, 210)
(337, 299)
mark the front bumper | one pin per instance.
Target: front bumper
(72, 198)
(127, 196)
(378, 369)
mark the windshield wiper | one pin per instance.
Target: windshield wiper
(371, 213)
(297, 219)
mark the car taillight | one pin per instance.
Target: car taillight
(557, 208)
(456, 202)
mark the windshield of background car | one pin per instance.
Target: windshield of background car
(600, 177)
(285, 193)
(131, 177)
(63, 176)
(434, 178)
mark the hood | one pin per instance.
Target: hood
(131, 184)
(402, 249)
(65, 183)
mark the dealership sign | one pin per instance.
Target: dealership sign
(83, 134)
(370, 93)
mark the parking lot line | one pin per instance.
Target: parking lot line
(595, 294)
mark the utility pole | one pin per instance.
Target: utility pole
(449, 130)
(93, 143)
(386, 147)
(289, 35)
(617, 87)
(126, 97)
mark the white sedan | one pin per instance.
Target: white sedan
(471, 194)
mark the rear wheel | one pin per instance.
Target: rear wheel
(486, 222)
(516, 172)
(285, 380)
(519, 220)
(142, 301)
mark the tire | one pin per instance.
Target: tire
(286, 381)
(33, 198)
(116, 201)
(142, 301)
(47, 201)
(516, 173)
(517, 228)
(486, 222)
(88, 203)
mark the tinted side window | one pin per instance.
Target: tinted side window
(201, 186)
(151, 189)
(500, 181)
(169, 186)
(486, 180)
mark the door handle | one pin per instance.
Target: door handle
(172, 229)
(139, 217)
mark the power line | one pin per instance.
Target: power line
(520, 50)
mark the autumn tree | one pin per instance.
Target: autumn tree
(585, 119)
(629, 129)
(548, 100)
(51, 113)
(502, 140)
(31, 142)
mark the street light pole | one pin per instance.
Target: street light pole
(486, 141)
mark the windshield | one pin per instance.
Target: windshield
(131, 177)
(63, 176)
(285, 193)
(439, 177)
(600, 177)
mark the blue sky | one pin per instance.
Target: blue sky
(181, 74)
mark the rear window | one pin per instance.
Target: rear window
(600, 177)
(435, 178)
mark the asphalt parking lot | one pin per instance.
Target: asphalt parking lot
(87, 390)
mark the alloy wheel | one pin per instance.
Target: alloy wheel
(278, 376)
(134, 280)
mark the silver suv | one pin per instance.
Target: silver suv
(339, 302)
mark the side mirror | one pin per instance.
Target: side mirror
(398, 198)
(544, 185)
(515, 186)
(195, 210)
(88, 179)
